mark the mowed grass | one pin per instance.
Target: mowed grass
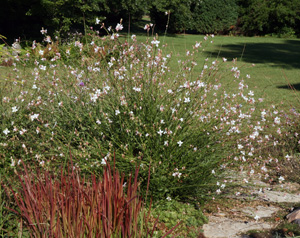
(277, 62)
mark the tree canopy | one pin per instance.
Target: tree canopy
(247, 17)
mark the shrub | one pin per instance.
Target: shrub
(214, 16)
(110, 96)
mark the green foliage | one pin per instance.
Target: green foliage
(106, 98)
(172, 211)
(214, 16)
(267, 17)
(64, 14)
(180, 15)
(133, 9)
(200, 16)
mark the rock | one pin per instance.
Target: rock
(260, 211)
(295, 215)
(297, 221)
(222, 227)
(278, 197)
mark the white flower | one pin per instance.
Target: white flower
(187, 100)
(22, 131)
(277, 120)
(13, 162)
(42, 67)
(34, 116)
(281, 179)
(119, 27)
(43, 31)
(41, 52)
(180, 143)
(155, 42)
(6, 131)
(117, 112)
(251, 93)
(160, 132)
(168, 198)
(136, 89)
(14, 109)
(97, 21)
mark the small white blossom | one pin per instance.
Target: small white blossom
(160, 132)
(14, 109)
(34, 116)
(119, 27)
(6, 131)
(155, 42)
(277, 120)
(180, 143)
(187, 100)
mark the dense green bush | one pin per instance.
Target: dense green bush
(91, 101)
(178, 12)
(259, 17)
(214, 16)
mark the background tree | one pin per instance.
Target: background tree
(259, 17)
(180, 15)
(214, 16)
(62, 15)
(17, 20)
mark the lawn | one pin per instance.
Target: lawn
(276, 60)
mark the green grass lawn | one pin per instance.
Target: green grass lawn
(277, 62)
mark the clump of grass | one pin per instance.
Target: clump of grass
(110, 95)
(68, 205)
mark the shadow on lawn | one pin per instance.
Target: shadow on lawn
(295, 86)
(285, 55)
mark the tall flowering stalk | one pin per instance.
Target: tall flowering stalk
(189, 122)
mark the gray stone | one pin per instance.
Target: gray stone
(297, 221)
(222, 227)
(278, 197)
(295, 215)
(260, 211)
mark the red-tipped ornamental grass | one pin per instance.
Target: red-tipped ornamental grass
(73, 207)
